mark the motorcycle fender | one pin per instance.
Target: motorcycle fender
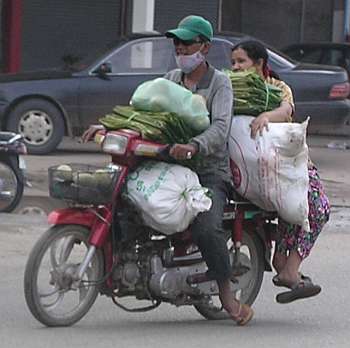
(72, 216)
(266, 248)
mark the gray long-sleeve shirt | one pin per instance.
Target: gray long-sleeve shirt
(216, 88)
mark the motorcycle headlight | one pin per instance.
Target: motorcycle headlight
(115, 144)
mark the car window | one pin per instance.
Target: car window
(144, 56)
(306, 55)
(295, 53)
(220, 54)
(347, 60)
(277, 62)
(333, 56)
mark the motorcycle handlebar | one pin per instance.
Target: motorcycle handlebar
(8, 138)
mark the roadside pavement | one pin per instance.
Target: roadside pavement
(331, 154)
(329, 141)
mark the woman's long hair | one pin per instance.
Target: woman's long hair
(256, 50)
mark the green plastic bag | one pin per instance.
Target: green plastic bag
(162, 95)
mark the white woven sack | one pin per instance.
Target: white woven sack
(271, 170)
(169, 196)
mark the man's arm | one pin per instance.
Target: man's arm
(212, 139)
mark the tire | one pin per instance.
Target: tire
(251, 246)
(11, 185)
(40, 123)
(53, 302)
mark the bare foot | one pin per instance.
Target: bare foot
(244, 315)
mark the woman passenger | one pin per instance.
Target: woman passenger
(293, 244)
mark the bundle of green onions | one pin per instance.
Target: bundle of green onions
(162, 127)
(252, 95)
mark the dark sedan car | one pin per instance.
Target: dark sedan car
(327, 53)
(43, 106)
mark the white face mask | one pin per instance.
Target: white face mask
(188, 63)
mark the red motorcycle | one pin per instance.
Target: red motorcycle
(101, 245)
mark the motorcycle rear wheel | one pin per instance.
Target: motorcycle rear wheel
(249, 284)
(11, 186)
(48, 276)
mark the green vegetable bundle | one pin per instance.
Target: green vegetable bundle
(252, 95)
(162, 127)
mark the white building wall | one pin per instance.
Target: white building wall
(143, 16)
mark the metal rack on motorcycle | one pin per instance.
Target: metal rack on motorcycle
(82, 184)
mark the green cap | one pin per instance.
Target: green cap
(190, 27)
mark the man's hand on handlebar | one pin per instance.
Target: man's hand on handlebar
(90, 132)
(183, 151)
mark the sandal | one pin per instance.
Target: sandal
(243, 320)
(298, 291)
(278, 282)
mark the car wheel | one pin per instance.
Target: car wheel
(40, 123)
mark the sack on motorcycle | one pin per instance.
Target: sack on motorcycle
(271, 170)
(161, 94)
(169, 196)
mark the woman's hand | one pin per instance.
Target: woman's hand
(90, 132)
(258, 125)
(183, 151)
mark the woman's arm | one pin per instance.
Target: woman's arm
(281, 114)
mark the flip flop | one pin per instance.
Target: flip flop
(278, 282)
(299, 291)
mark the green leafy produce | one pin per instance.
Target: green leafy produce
(162, 127)
(252, 95)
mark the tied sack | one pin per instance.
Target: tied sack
(169, 196)
(271, 170)
(162, 95)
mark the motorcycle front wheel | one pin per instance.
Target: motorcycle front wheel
(11, 186)
(249, 284)
(51, 291)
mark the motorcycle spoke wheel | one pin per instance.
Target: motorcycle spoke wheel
(60, 250)
(51, 306)
(248, 285)
(9, 187)
(52, 292)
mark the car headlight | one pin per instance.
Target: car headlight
(115, 144)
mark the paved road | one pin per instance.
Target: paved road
(322, 321)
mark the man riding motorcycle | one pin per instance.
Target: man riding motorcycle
(192, 40)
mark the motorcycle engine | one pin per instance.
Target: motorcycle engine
(145, 269)
(169, 282)
(146, 277)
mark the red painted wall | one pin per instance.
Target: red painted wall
(12, 34)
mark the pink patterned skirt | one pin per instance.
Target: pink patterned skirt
(293, 237)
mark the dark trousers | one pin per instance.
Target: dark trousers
(207, 230)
